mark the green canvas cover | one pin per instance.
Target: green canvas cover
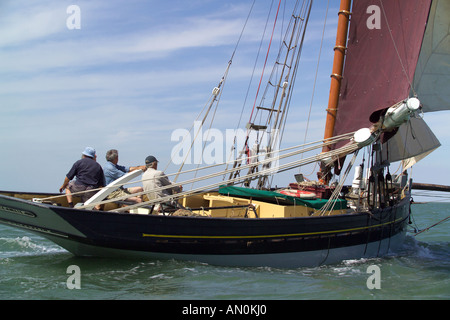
(274, 196)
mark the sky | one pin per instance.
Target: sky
(126, 74)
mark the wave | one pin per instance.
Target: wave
(20, 246)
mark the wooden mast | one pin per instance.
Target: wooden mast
(336, 77)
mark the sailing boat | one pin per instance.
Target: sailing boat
(389, 79)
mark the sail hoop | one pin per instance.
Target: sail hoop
(346, 12)
(337, 76)
(342, 48)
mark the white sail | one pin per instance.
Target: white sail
(432, 76)
(413, 142)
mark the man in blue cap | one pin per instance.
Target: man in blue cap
(89, 175)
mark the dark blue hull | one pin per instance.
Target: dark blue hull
(290, 242)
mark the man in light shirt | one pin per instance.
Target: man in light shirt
(114, 171)
(154, 178)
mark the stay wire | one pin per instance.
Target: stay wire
(396, 50)
(317, 71)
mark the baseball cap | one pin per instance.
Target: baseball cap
(150, 159)
(89, 152)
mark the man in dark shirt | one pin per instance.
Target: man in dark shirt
(89, 175)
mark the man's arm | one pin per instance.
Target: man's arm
(143, 168)
(64, 185)
(164, 181)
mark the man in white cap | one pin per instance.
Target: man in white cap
(89, 175)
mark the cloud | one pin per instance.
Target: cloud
(35, 37)
(191, 33)
(23, 22)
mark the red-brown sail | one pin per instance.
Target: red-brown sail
(384, 43)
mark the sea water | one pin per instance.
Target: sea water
(31, 267)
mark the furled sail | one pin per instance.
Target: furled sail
(384, 45)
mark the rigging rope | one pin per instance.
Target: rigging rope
(243, 29)
(334, 196)
(265, 62)
(254, 68)
(426, 229)
(317, 71)
(283, 86)
(213, 97)
(396, 50)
